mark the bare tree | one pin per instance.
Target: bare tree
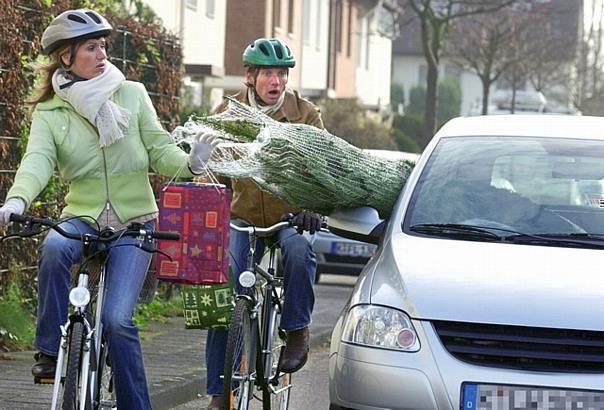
(436, 19)
(479, 44)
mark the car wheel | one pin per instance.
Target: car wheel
(317, 276)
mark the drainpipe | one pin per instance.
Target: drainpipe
(181, 24)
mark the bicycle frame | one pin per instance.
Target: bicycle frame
(93, 333)
(264, 304)
(92, 341)
(85, 361)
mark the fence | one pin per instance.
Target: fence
(143, 51)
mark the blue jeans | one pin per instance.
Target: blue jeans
(126, 270)
(299, 266)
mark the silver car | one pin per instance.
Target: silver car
(486, 291)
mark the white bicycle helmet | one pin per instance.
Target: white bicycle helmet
(74, 25)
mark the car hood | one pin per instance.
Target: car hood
(490, 282)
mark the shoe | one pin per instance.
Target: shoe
(45, 366)
(217, 403)
(295, 353)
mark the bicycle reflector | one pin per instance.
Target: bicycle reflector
(79, 296)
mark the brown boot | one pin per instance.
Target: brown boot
(295, 353)
(45, 366)
(217, 403)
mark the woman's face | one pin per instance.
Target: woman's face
(90, 58)
(269, 83)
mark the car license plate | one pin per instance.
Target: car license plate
(360, 250)
(505, 397)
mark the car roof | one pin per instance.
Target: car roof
(390, 154)
(558, 126)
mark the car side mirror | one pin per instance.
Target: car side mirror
(361, 224)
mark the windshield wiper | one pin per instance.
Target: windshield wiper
(583, 240)
(457, 231)
(476, 232)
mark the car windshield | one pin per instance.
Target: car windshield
(512, 186)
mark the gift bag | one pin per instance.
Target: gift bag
(207, 306)
(200, 213)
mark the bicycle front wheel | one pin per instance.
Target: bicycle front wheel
(240, 358)
(71, 389)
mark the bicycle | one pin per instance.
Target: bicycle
(255, 343)
(83, 377)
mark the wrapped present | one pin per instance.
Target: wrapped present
(200, 213)
(207, 306)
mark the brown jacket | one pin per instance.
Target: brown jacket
(249, 202)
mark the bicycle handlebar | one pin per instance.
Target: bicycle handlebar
(132, 230)
(254, 230)
(262, 231)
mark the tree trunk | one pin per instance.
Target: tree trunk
(431, 100)
(486, 85)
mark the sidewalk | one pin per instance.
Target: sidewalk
(173, 359)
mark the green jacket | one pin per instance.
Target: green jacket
(117, 174)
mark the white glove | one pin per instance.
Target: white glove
(201, 151)
(11, 206)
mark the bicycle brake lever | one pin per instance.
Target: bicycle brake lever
(151, 249)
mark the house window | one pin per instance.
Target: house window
(423, 74)
(306, 19)
(277, 13)
(452, 70)
(210, 6)
(349, 36)
(290, 16)
(339, 28)
(192, 4)
(318, 25)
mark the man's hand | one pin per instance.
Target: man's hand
(201, 150)
(307, 221)
(11, 206)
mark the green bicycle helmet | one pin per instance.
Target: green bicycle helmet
(266, 52)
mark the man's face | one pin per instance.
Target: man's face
(269, 83)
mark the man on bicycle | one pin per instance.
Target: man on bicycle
(267, 63)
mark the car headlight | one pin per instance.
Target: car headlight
(379, 326)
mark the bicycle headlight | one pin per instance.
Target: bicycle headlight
(247, 279)
(382, 327)
(79, 296)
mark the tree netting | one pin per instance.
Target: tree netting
(301, 164)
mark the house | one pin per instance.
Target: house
(343, 48)
(200, 25)
(562, 27)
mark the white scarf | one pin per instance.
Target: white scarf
(266, 109)
(90, 98)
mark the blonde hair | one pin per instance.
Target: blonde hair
(43, 90)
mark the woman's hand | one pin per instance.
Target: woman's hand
(201, 151)
(11, 206)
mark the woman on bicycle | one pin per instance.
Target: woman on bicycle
(267, 63)
(102, 133)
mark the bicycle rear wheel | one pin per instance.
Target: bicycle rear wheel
(240, 358)
(71, 385)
